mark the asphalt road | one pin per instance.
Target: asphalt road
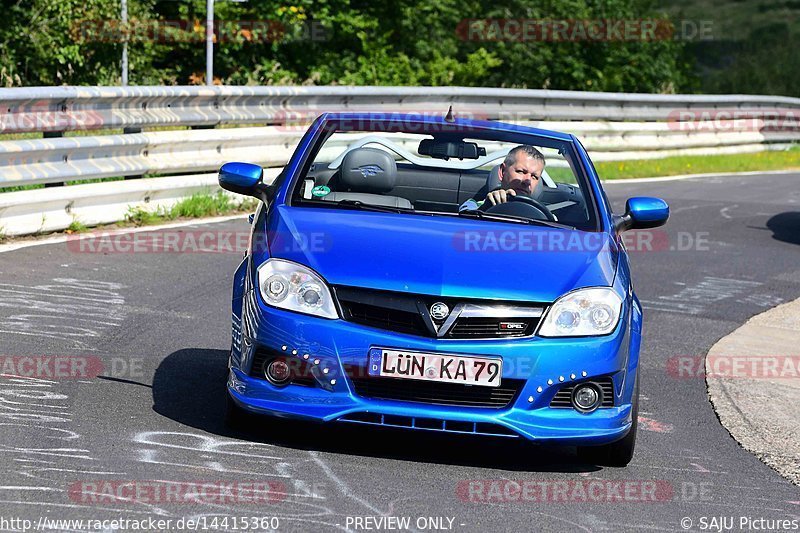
(159, 323)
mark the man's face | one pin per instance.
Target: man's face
(523, 175)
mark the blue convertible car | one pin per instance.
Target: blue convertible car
(440, 274)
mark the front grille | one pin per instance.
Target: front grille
(408, 313)
(431, 392)
(563, 398)
(430, 424)
(301, 369)
(384, 318)
(480, 327)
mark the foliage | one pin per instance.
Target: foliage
(751, 48)
(43, 43)
(765, 63)
(359, 42)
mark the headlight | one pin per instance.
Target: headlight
(582, 313)
(290, 286)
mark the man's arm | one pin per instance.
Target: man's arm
(476, 201)
(497, 196)
(470, 205)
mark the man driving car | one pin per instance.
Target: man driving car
(520, 173)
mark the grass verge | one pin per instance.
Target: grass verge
(199, 205)
(700, 164)
(196, 206)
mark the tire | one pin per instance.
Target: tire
(617, 453)
(235, 416)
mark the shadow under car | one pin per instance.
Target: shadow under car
(189, 387)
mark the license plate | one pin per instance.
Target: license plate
(463, 369)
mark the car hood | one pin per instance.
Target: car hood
(441, 255)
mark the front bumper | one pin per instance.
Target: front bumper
(332, 345)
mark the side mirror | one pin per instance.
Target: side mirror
(642, 212)
(243, 178)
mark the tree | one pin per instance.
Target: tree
(360, 42)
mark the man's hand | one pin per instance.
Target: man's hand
(500, 196)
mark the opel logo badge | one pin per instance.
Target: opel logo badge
(439, 311)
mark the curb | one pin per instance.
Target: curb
(138, 229)
(753, 380)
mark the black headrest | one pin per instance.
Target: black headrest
(369, 170)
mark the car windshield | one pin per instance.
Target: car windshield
(449, 175)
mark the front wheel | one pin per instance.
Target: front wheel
(617, 453)
(235, 416)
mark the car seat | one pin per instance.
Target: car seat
(365, 174)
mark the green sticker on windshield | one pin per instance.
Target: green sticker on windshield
(321, 190)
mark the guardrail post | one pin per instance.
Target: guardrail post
(53, 135)
(126, 130)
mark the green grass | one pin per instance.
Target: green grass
(203, 205)
(139, 216)
(561, 174)
(196, 206)
(76, 226)
(700, 164)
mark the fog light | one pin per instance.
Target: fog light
(586, 397)
(278, 372)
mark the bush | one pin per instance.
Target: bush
(360, 42)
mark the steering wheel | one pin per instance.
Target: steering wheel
(524, 206)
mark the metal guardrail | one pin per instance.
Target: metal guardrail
(56, 160)
(80, 108)
(613, 126)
